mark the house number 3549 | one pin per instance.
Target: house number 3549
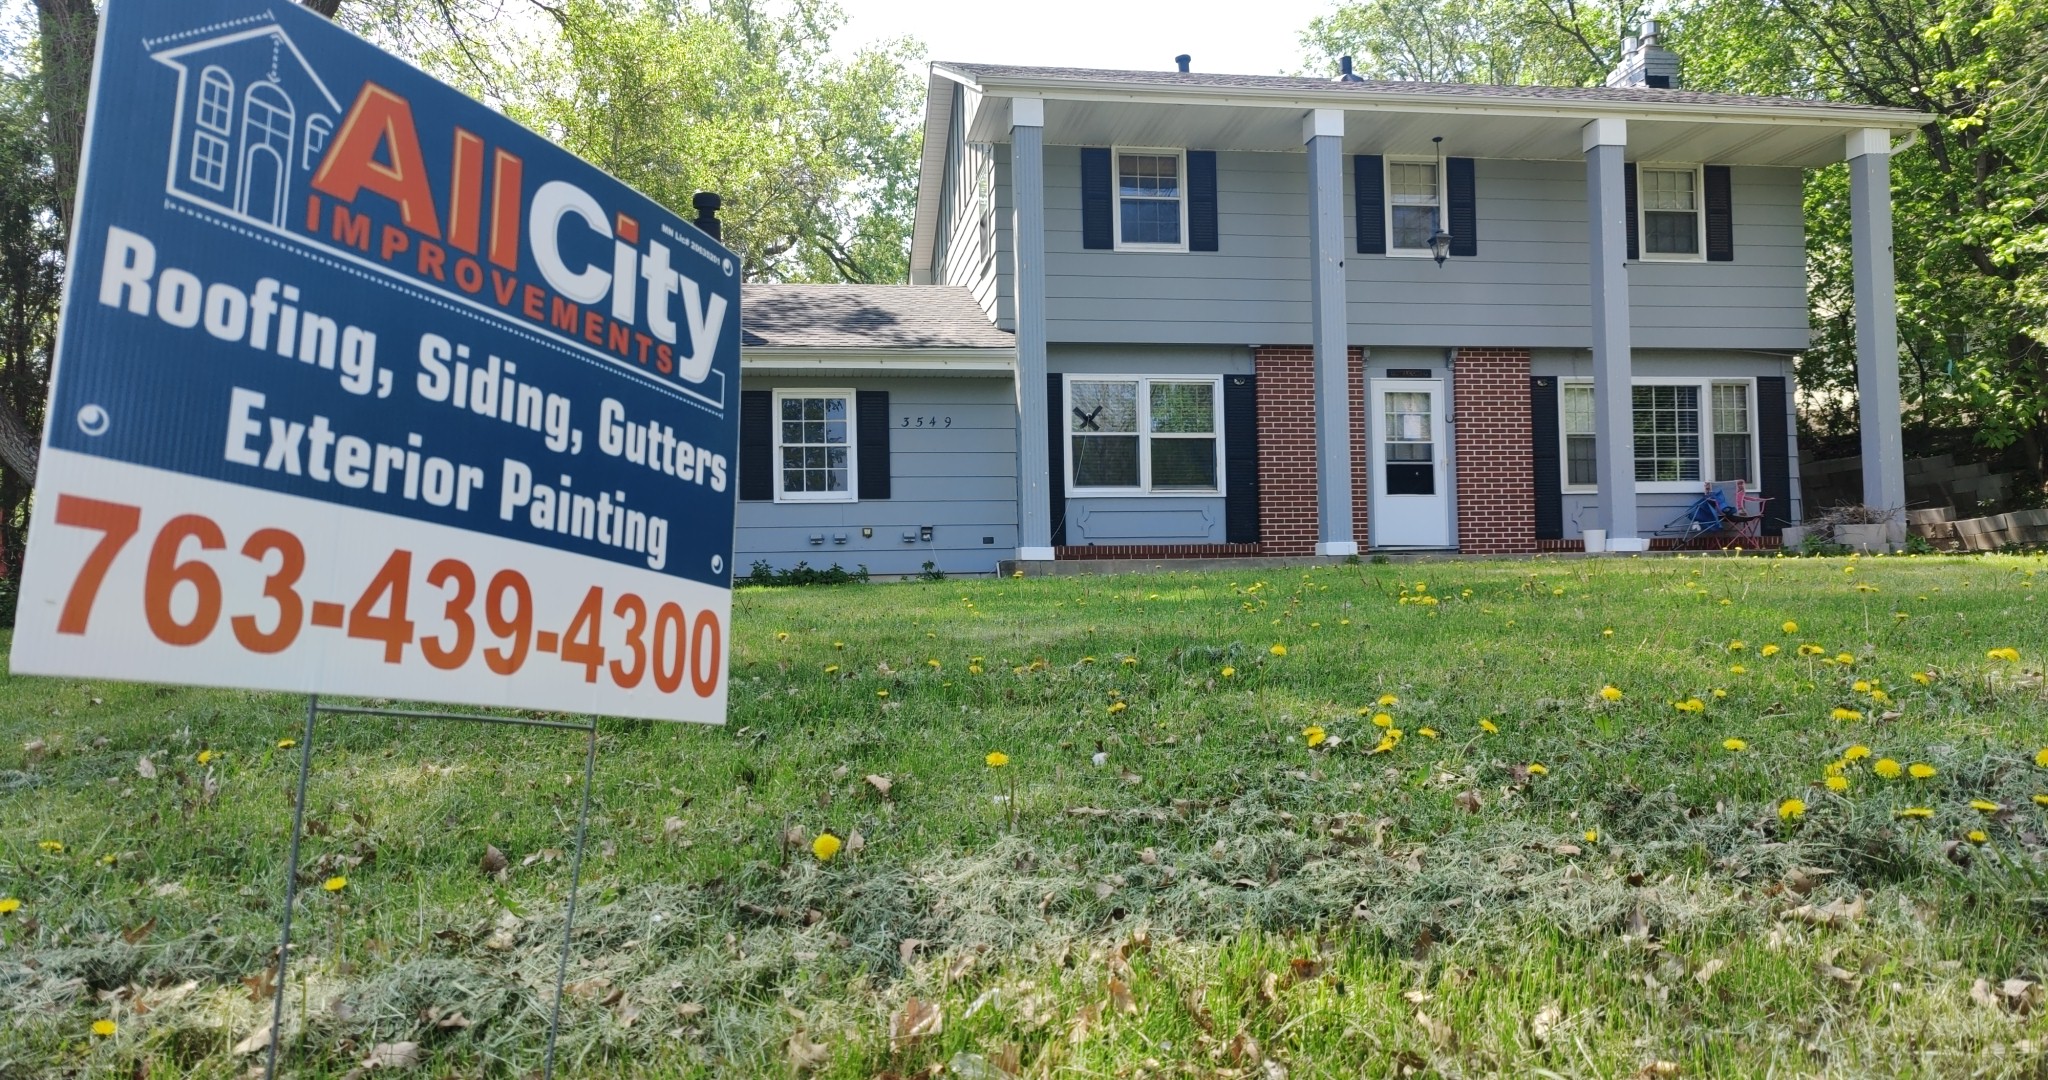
(927, 421)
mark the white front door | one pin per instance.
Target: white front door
(1411, 502)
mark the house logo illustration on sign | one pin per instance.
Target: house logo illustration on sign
(253, 118)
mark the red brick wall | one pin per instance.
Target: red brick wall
(1495, 485)
(1287, 448)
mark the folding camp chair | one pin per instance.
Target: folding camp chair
(1725, 513)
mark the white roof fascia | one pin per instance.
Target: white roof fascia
(1829, 115)
(956, 361)
(931, 175)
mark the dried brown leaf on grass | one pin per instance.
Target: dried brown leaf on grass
(494, 861)
(880, 783)
(916, 1020)
(145, 768)
(1834, 913)
(1544, 1022)
(805, 1054)
(1120, 1000)
(398, 1055)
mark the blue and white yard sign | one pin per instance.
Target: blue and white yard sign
(363, 389)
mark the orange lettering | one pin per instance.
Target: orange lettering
(381, 119)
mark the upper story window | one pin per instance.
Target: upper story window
(1151, 200)
(1684, 432)
(814, 446)
(1137, 436)
(216, 100)
(1414, 201)
(1668, 197)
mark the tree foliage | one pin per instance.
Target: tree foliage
(814, 156)
(1970, 200)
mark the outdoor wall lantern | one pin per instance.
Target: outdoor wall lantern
(1439, 240)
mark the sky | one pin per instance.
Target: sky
(1237, 39)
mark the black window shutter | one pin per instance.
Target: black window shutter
(1720, 214)
(1544, 453)
(1462, 215)
(1056, 456)
(1097, 215)
(1241, 459)
(1774, 471)
(757, 445)
(1628, 202)
(1369, 189)
(1201, 200)
(871, 441)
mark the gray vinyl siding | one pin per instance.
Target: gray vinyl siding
(972, 238)
(1527, 286)
(1656, 511)
(1149, 519)
(960, 480)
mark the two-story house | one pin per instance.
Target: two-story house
(1161, 313)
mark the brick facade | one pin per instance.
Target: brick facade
(1495, 486)
(1287, 448)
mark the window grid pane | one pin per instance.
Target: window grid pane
(1667, 425)
(1578, 409)
(1106, 461)
(1171, 445)
(1581, 465)
(1149, 194)
(1412, 183)
(813, 435)
(1183, 408)
(1103, 407)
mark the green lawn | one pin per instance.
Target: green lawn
(1188, 888)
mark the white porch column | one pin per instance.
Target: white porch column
(1606, 141)
(1877, 326)
(1323, 131)
(1027, 232)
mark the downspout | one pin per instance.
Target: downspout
(1451, 439)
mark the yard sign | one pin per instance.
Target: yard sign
(363, 389)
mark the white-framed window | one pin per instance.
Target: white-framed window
(814, 446)
(1671, 212)
(209, 160)
(1137, 435)
(1686, 432)
(1151, 205)
(1414, 201)
(216, 100)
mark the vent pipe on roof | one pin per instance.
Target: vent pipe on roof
(1644, 63)
(1182, 61)
(1344, 72)
(707, 204)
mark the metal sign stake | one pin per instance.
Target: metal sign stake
(291, 886)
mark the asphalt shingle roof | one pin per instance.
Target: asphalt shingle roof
(1209, 80)
(866, 317)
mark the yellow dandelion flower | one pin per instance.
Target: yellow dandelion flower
(826, 846)
(1737, 645)
(1737, 669)
(103, 1028)
(1611, 692)
(1985, 806)
(1841, 713)
(1427, 732)
(205, 757)
(51, 847)
(839, 644)
(1537, 768)
(1130, 661)
(1691, 704)
(1811, 650)
(1880, 697)
(996, 759)
(1922, 678)
(2041, 800)
(1488, 727)
(2041, 757)
(1229, 672)
(1734, 745)
(2010, 656)
(1314, 735)
(1592, 836)
(1856, 753)
(1609, 632)
(1116, 707)
(932, 664)
(1887, 768)
(1919, 771)
(9, 905)
(1388, 699)
(335, 883)
(1087, 659)
(1769, 650)
(831, 669)
(1719, 693)
(1789, 627)
(1844, 659)
(287, 744)
(1791, 810)
(1343, 622)
(1278, 650)
(108, 859)
(1837, 784)
(1860, 686)
(1383, 746)
(1977, 836)
(881, 693)
(1835, 768)
(974, 669)
(1917, 812)
(1382, 720)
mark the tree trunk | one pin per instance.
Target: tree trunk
(324, 7)
(19, 446)
(69, 31)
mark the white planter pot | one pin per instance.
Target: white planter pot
(1596, 540)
